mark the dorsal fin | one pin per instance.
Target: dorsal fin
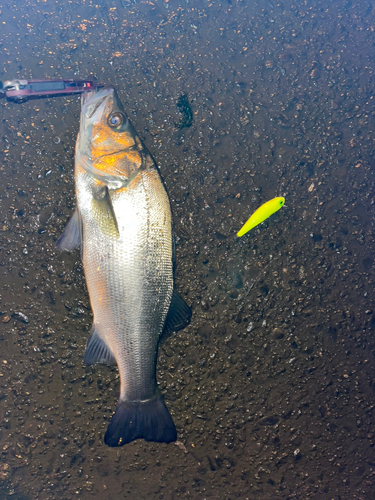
(178, 316)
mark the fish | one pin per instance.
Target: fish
(263, 212)
(123, 225)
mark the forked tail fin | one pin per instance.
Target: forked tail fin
(149, 420)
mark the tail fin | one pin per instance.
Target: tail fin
(132, 420)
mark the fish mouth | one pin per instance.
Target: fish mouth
(91, 101)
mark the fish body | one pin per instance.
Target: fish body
(263, 212)
(123, 223)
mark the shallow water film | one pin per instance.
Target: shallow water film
(271, 386)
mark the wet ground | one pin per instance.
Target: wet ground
(271, 386)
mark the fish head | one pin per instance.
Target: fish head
(108, 146)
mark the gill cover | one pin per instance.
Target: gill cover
(108, 147)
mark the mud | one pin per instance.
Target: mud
(272, 384)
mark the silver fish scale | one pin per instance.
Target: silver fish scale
(130, 277)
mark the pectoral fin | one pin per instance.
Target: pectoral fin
(104, 212)
(71, 237)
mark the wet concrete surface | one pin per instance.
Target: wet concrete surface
(271, 386)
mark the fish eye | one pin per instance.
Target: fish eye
(115, 119)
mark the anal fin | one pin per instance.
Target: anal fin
(97, 350)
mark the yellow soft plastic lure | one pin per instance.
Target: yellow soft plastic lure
(262, 214)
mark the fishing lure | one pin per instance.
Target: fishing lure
(262, 214)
